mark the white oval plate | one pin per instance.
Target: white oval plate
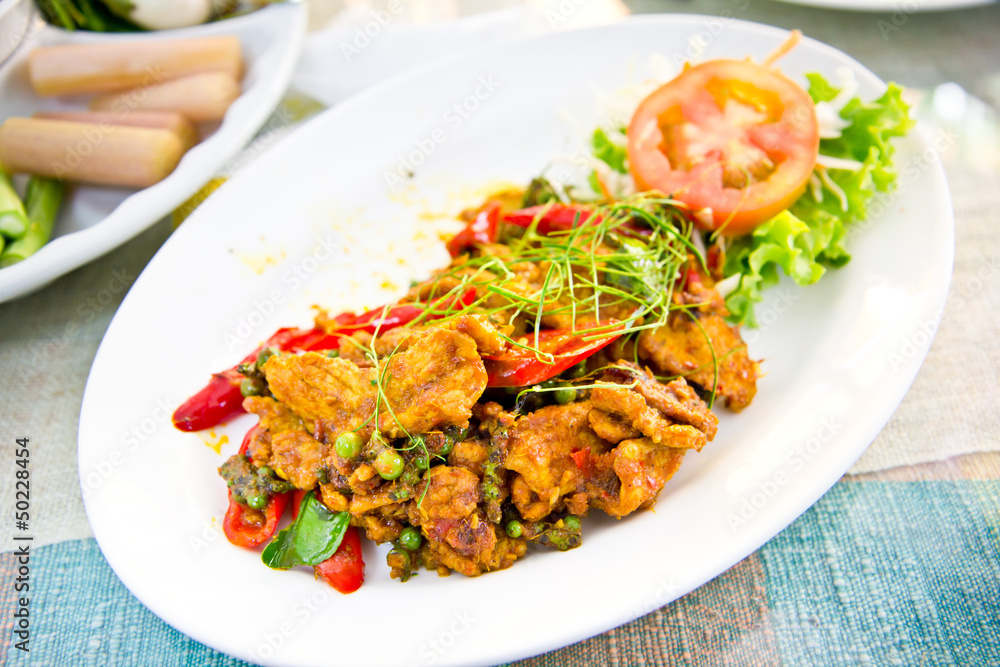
(839, 358)
(94, 220)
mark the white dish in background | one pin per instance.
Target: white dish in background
(891, 6)
(16, 17)
(831, 380)
(93, 220)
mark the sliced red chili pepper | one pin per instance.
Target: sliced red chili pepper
(404, 314)
(345, 569)
(690, 278)
(481, 229)
(582, 460)
(519, 367)
(560, 217)
(220, 400)
(297, 496)
(248, 438)
(248, 528)
(553, 217)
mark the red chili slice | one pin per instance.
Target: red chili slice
(345, 569)
(520, 368)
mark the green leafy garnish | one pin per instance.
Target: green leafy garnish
(608, 152)
(809, 237)
(310, 540)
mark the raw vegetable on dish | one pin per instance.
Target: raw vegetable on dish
(775, 174)
(26, 226)
(573, 351)
(132, 15)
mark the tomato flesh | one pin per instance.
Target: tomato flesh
(726, 135)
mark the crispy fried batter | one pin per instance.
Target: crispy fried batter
(631, 475)
(685, 347)
(540, 449)
(432, 385)
(314, 386)
(297, 456)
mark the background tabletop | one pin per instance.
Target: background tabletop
(899, 563)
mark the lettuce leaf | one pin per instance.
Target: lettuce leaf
(609, 152)
(810, 237)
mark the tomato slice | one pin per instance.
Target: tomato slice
(732, 136)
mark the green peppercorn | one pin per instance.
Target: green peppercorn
(251, 387)
(333, 354)
(572, 522)
(421, 462)
(398, 558)
(449, 444)
(576, 372)
(348, 445)
(514, 528)
(565, 395)
(264, 355)
(389, 464)
(257, 501)
(410, 538)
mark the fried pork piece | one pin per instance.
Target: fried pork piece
(354, 348)
(432, 385)
(559, 312)
(561, 451)
(488, 337)
(273, 418)
(296, 456)
(697, 343)
(676, 401)
(685, 347)
(631, 475)
(334, 391)
(458, 535)
(540, 451)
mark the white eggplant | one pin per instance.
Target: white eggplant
(162, 14)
